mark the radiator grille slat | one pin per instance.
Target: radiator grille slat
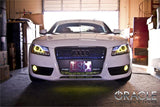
(80, 52)
(94, 54)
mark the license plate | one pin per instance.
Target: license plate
(80, 66)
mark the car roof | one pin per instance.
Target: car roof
(81, 21)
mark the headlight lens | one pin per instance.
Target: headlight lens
(40, 50)
(119, 50)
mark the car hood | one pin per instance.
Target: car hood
(80, 40)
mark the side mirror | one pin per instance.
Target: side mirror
(117, 31)
(43, 31)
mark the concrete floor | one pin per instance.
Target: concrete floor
(20, 91)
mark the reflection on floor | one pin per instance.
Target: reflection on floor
(20, 91)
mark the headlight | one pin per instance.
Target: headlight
(40, 50)
(119, 50)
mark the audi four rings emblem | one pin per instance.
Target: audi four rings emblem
(81, 53)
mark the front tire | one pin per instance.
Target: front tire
(33, 79)
(124, 80)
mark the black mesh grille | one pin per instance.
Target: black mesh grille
(117, 70)
(44, 70)
(80, 53)
(94, 54)
(79, 77)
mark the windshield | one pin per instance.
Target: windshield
(79, 28)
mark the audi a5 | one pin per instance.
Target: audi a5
(80, 50)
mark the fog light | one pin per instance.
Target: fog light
(34, 68)
(126, 67)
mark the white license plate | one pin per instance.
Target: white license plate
(80, 66)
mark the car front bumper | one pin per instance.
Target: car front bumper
(49, 68)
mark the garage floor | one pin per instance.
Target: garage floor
(20, 91)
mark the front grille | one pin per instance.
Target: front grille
(79, 77)
(80, 53)
(65, 55)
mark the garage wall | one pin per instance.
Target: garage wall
(15, 7)
(133, 8)
(128, 8)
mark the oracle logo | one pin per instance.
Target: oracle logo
(142, 95)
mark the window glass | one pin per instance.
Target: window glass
(79, 28)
